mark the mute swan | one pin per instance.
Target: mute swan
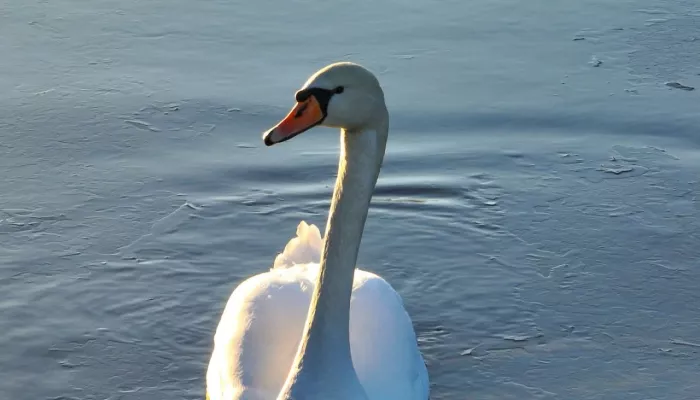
(314, 326)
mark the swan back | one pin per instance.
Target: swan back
(305, 248)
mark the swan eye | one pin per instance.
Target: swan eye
(302, 95)
(339, 89)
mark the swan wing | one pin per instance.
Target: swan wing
(383, 344)
(259, 333)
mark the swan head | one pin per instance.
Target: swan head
(341, 95)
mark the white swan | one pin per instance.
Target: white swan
(314, 327)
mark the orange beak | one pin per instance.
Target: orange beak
(304, 116)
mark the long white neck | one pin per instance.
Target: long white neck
(324, 359)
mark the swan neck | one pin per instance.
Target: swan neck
(324, 353)
(358, 170)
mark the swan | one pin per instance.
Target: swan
(314, 326)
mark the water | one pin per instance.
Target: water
(537, 210)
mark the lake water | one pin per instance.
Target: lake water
(538, 209)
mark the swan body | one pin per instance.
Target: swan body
(315, 326)
(262, 325)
